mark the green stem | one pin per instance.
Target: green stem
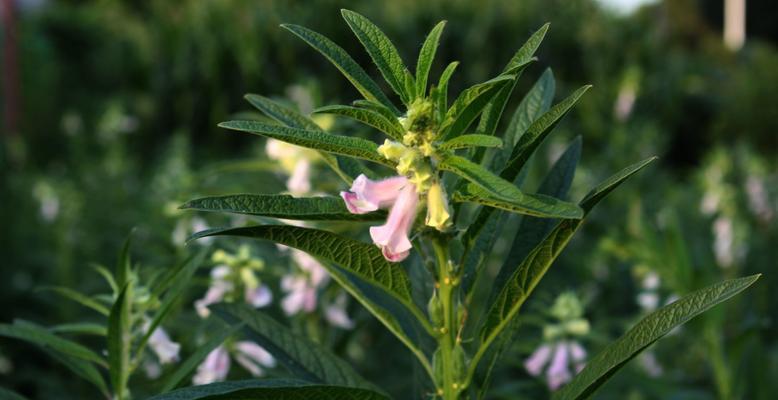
(449, 388)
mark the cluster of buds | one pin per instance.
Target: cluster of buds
(235, 272)
(416, 177)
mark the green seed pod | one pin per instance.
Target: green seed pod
(459, 361)
(435, 310)
(437, 368)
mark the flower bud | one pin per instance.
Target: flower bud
(435, 310)
(391, 150)
(438, 215)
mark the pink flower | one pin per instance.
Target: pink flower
(392, 237)
(253, 357)
(558, 373)
(556, 359)
(366, 195)
(538, 360)
(336, 315)
(302, 288)
(214, 368)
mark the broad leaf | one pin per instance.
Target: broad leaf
(347, 66)
(537, 132)
(537, 102)
(469, 105)
(304, 358)
(282, 114)
(283, 206)
(373, 118)
(523, 281)
(193, 361)
(317, 140)
(381, 50)
(472, 140)
(650, 329)
(37, 335)
(426, 56)
(119, 340)
(269, 389)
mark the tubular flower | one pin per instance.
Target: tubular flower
(366, 195)
(392, 237)
(438, 215)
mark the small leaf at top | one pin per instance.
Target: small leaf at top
(426, 56)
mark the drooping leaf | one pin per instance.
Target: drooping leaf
(440, 93)
(283, 206)
(426, 56)
(347, 66)
(468, 106)
(653, 327)
(534, 104)
(537, 205)
(78, 297)
(81, 328)
(317, 140)
(304, 358)
(390, 127)
(523, 281)
(471, 140)
(39, 336)
(119, 336)
(82, 368)
(107, 276)
(537, 132)
(381, 50)
(269, 389)
(493, 111)
(282, 114)
(193, 361)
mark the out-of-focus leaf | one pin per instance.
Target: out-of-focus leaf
(269, 389)
(119, 336)
(83, 328)
(82, 368)
(37, 335)
(283, 206)
(653, 327)
(79, 298)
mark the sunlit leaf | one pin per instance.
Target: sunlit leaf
(283, 206)
(426, 56)
(390, 127)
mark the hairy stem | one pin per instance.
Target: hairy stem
(448, 388)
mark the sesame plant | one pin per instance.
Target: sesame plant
(438, 191)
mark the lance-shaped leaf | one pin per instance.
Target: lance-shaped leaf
(193, 361)
(304, 358)
(345, 64)
(493, 191)
(80, 328)
(282, 114)
(119, 341)
(270, 389)
(471, 140)
(283, 206)
(469, 105)
(537, 132)
(37, 335)
(426, 56)
(80, 367)
(440, 93)
(373, 118)
(534, 104)
(317, 140)
(523, 281)
(79, 298)
(377, 107)
(650, 329)
(493, 111)
(382, 51)
(537, 205)
(358, 267)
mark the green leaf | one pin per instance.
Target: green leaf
(317, 140)
(84, 328)
(536, 205)
(282, 114)
(391, 127)
(359, 267)
(650, 329)
(37, 335)
(381, 50)
(493, 111)
(119, 336)
(304, 358)
(6, 394)
(82, 368)
(347, 66)
(79, 298)
(426, 56)
(537, 102)
(440, 93)
(106, 274)
(523, 281)
(123, 264)
(529, 142)
(269, 389)
(377, 107)
(283, 206)
(193, 361)
(471, 140)
(469, 105)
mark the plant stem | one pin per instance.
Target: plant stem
(447, 340)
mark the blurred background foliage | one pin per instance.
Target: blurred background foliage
(117, 113)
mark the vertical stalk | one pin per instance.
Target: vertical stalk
(447, 340)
